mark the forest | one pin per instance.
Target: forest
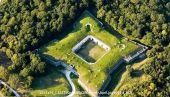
(147, 21)
(25, 25)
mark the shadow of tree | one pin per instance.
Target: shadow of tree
(117, 75)
(48, 80)
(136, 73)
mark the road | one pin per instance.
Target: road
(67, 74)
(68, 70)
(15, 92)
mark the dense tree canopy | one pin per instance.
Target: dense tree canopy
(149, 22)
(138, 19)
(26, 25)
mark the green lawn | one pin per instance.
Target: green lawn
(91, 75)
(80, 92)
(52, 84)
(124, 80)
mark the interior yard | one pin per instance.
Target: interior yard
(91, 52)
(93, 76)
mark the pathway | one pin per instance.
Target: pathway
(15, 92)
(68, 70)
(67, 74)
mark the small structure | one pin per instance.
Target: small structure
(88, 27)
(130, 58)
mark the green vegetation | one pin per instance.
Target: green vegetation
(90, 52)
(147, 21)
(94, 74)
(5, 91)
(53, 83)
(130, 76)
(2, 2)
(80, 92)
(25, 25)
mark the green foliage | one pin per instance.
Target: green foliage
(4, 73)
(14, 80)
(137, 18)
(26, 20)
(97, 72)
(148, 22)
(5, 91)
(47, 83)
(22, 69)
(25, 72)
(11, 22)
(27, 24)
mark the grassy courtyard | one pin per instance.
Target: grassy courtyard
(93, 76)
(91, 52)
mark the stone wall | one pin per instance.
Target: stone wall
(97, 41)
(137, 54)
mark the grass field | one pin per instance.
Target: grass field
(91, 52)
(124, 80)
(80, 92)
(52, 84)
(91, 75)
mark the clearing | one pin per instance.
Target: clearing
(93, 76)
(51, 84)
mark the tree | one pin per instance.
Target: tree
(25, 72)
(101, 13)
(12, 21)
(9, 53)
(134, 1)
(14, 80)
(5, 91)
(4, 73)
(149, 39)
(48, 3)
(99, 3)
(37, 2)
(42, 6)
(129, 70)
(28, 82)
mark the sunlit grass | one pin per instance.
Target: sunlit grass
(92, 75)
